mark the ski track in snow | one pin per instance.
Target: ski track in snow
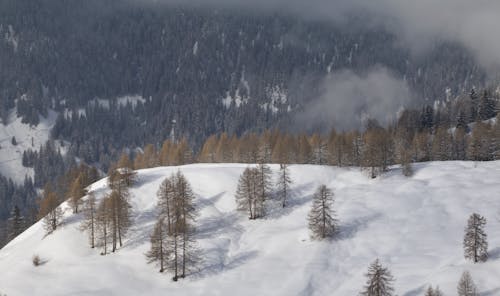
(414, 225)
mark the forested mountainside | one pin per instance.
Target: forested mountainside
(118, 74)
(185, 61)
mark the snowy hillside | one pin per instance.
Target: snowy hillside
(414, 225)
(27, 137)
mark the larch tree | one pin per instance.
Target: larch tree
(119, 215)
(429, 291)
(247, 194)
(166, 201)
(321, 218)
(433, 292)
(76, 192)
(16, 223)
(186, 217)
(103, 224)
(265, 148)
(50, 211)
(89, 223)
(120, 208)
(208, 152)
(164, 154)
(125, 170)
(319, 150)
(379, 282)
(172, 242)
(376, 150)
(466, 286)
(475, 239)
(264, 186)
(159, 251)
(283, 184)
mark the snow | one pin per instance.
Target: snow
(195, 48)
(10, 37)
(278, 97)
(237, 99)
(414, 225)
(11, 155)
(122, 101)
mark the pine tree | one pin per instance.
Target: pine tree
(89, 222)
(159, 251)
(379, 281)
(15, 224)
(475, 239)
(283, 184)
(322, 222)
(466, 286)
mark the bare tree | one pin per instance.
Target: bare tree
(90, 217)
(50, 210)
(322, 222)
(247, 194)
(172, 242)
(102, 223)
(77, 191)
(264, 187)
(433, 292)
(466, 286)
(379, 281)
(159, 251)
(186, 217)
(475, 239)
(283, 184)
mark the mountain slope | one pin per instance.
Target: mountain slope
(414, 225)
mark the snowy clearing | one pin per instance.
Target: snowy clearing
(414, 225)
(27, 137)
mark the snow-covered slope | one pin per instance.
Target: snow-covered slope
(27, 137)
(414, 225)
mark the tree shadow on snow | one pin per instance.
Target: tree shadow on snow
(490, 292)
(416, 292)
(215, 267)
(142, 227)
(348, 230)
(223, 223)
(296, 199)
(494, 254)
(206, 202)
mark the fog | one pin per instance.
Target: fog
(348, 99)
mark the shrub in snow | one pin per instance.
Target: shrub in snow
(36, 260)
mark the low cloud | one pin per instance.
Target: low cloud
(348, 99)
